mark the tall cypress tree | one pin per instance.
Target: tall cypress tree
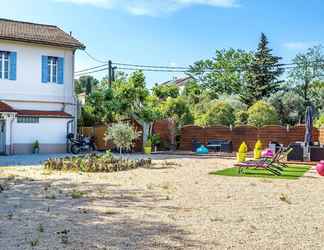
(263, 74)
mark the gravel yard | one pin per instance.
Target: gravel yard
(175, 205)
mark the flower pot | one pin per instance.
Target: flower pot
(257, 154)
(241, 157)
(147, 150)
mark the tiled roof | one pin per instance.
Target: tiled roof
(37, 33)
(6, 108)
(179, 82)
(40, 113)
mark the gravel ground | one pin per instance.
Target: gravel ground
(175, 205)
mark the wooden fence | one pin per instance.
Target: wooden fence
(248, 134)
(99, 133)
(321, 135)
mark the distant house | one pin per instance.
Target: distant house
(37, 100)
(180, 82)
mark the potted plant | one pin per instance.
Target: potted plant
(36, 147)
(148, 147)
(241, 155)
(257, 150)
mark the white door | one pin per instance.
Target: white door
(2, 137)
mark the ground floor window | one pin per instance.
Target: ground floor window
(28, 119)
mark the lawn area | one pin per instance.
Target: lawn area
(293, 172)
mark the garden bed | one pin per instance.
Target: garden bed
(95, 163)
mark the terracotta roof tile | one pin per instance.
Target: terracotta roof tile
(37, 33)
(41, 113)
(6, 108)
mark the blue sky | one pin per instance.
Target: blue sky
(175, 32)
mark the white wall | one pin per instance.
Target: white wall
(28, 85)
(47, 131)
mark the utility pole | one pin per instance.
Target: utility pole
(114, 73)
(110, 73)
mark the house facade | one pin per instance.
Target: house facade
(179, 82)
(37, 100)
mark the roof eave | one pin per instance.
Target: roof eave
(70, 46)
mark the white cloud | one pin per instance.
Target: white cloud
(152, 7)
(299, 45)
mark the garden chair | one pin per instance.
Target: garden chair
(283, 155)
(263, 163)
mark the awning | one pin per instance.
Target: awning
(5, 108)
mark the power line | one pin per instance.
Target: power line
(170, 69)
(153, 70)
(150, 66)
(91, 72)
(94, 58)
(88, 69)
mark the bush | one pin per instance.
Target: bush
(289, 106)
(95, 163)
(241, 117)
(262, 113)
(122, 135)
(319, 122)
(218, 113)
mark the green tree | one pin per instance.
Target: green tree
(308, 68)
(100, 108)
(84, 83)
(262, 113)
(241, 117)
(225, 73)
(178, 113)
(122, 135)
(164, 91)
(263, 74)
(289, 106)
(192, 92)
(134, 101)
(316, 96)
(218, 113)
(319, 122)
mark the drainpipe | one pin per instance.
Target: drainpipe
(70, 122)
(75, 100)
(11, 140)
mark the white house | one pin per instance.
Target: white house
(37, 101)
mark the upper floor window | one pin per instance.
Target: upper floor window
(52, 69)
(4, 65)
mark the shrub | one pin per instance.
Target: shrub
(262, 113)
(218, 113)
(319, 122)
(155, 139)
(241, 117)
(122, 135)
(95, 163)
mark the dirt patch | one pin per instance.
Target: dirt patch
(175, 205)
